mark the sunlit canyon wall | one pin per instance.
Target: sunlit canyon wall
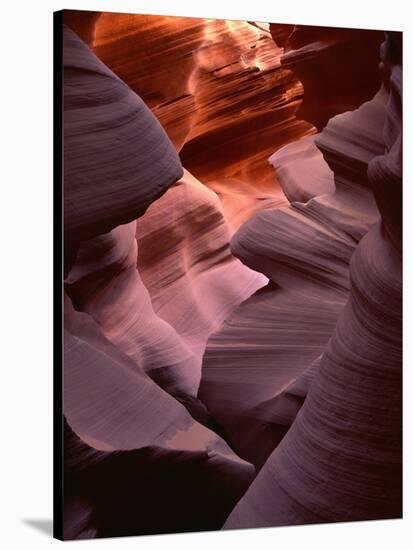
(232, 203)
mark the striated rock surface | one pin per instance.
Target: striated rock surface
(109, 136)
(183, 373)
(83, 23)
(301, 171)
(218, 89)
(187, 266)
(156, 57)
(113, 407)
(149, 302)
(280, 33)
(246, 106)
(105, 283)
(341, 459)
(338, 68)
(305, 250)
(117, 351)
(221, 92)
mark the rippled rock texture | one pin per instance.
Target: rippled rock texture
(341, 459)
(219, 91)
(305, 250)
(123, 363)
(232, 277)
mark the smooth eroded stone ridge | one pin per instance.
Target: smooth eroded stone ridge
(186, 263)
(119, 416)
(143, 283)
(117, 157)
(305, 250)
(125, 434)
(219, 91)
(232, 329)
(341, 459)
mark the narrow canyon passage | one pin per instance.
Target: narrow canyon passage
(222, 179)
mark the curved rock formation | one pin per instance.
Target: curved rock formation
(246, 105)
(117, 160)
(182, 375)
(219, 91)
(246, 108)
(338, 68)
(150, 303)
(305, 250)
(105, 283)
(186, 263)
(301, 171)
(280, 33)
(156, 57)
(113, 407)
(341, 459)
(112, 493)
(82, 23)
(109, 136)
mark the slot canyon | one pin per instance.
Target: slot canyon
(232, 274)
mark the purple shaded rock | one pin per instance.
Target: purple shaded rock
(117, 157)
(305, 250)
(341, 459)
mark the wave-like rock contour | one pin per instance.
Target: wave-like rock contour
(120, 422)
(341, 459)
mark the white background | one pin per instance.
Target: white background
(26, 271)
